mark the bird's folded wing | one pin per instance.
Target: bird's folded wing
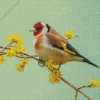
(61, 44)
(54, 39)
(54, 32)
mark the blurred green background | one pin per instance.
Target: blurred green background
(81, 16)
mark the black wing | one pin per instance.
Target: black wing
(71, 48)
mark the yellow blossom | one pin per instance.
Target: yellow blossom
(10, 52)
(15, 37)
(17, 50)
(69, 34)
(21, 47)
(20, 67)
(1, 59)
(54, 76)
(57, 73)
(94, 82)
(50, 65)
(24, 61)
(13, 49)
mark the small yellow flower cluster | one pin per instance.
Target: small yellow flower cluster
(54, 76)
(50, 65)
(94, 82)
(1, 59)
(20, 47)
(20, 67)
(15, 37)
(14, 50)
(69, 34)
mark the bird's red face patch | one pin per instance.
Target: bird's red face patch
(38, 26)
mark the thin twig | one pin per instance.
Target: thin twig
(76, 89)
(2, 53)
(7, 46)
(19, 56)
(26, 54)
(76, 93)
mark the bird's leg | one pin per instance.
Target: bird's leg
(41, 63)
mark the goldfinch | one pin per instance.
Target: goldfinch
(50, 45)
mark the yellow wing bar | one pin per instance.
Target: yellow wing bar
(67, 50)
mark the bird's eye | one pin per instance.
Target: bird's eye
(38, 28)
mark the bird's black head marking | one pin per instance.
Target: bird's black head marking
(48, 27)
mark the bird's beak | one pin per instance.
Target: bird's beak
(33, 30)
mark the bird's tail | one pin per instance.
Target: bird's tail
(88, 61)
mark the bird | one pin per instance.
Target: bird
(47, 44)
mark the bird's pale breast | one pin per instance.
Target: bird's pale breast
(46, 51)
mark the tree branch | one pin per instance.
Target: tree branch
(76, 89)
(34, 57)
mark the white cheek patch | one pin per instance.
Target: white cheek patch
(44, 30)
